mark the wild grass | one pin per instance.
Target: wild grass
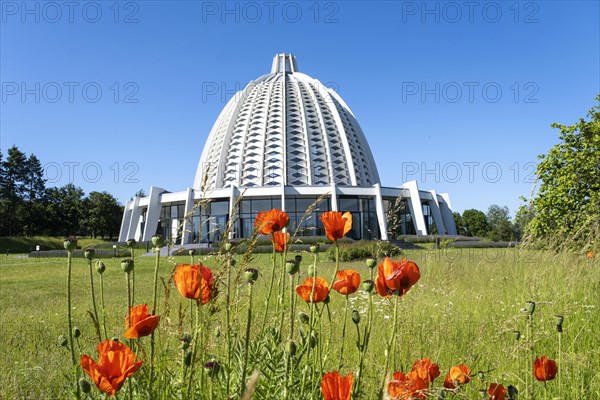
(466, 308)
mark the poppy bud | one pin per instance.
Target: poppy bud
(312, 340)
(517, 335)
(368, 285)
(370, 263)
(311, 270)
(89, 253)
(84, 385)
(314, 248)
(291, 267)
(290, 348)
(232, 261)
(481, 375)
(114, 339)
(212, 368)
(131, 243)
(187, 359)
(304, 318)
(158, 241)
(191, 252)
(62, 340)
(185, 341)
(76, 332)
(70, 244)
(227, 246)
(558, 319)
(100, 267)
(512, 391)
(298, 258)
(250, 274)
(355, 317)
(530, 307)
(127, 265)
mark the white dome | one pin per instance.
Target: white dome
(286, 129)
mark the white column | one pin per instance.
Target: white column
(446, 210)
(134, 221)
(187, 220)
(437, 215)
(125, 221)
(153, 214)
(380, 212)
(415, 207)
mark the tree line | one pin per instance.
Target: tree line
(495, 225)
(28, 207)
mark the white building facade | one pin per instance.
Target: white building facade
(283, 142)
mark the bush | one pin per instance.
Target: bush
(365, 249)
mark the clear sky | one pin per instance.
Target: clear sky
(120, 96)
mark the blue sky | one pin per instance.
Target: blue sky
(119, 96)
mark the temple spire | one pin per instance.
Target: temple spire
(284, 63)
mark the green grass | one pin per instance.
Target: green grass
(464, 309)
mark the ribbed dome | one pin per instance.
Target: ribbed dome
(286, 128)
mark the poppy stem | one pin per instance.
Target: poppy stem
(194, 349)
(97, 322)
(389, 346)
(247, 341)
(228, 324)
(156, 265)
(69, 267)
(268, 299)
(132, 280)
(343, 334)
(102, 304)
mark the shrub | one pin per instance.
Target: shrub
(365, 249)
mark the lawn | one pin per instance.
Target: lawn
(467, 307)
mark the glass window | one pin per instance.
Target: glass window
(259, 205)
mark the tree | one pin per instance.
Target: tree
(65, 209)
(13, 172)
(500, 226)
(458, 222)
(34, 195)
(475, 223)
(567, 204)
(102, 214)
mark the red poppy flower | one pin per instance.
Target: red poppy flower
(544, 369)
(336, 387)
(347, 281)
(271, 221)
(116, 362)
(458, 375)
(396, 277)
(425, 370)
(280, 241)
(497, 391)
(321, 290)
(405, 387)
(194, 282)
(336, 224)
(142, 323)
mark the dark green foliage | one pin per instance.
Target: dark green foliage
(364, 249)
(567, 205)
(475, 223)
(501, 227)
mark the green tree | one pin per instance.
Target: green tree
(458, 222)
(475, 223)
(567, 204)
(102, 214)
(13, 172)
(500, 226)
(34, 196)
(65, 210)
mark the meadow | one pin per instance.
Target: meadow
(469, 306)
